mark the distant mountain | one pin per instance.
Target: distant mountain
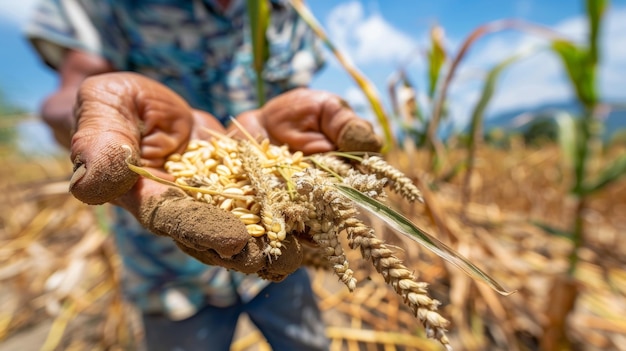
(518, 119)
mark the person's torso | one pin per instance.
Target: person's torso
(196, 48)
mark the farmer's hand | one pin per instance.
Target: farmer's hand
(122, 115)
(311, 121)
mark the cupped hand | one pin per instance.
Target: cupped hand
(125, 115)
(311, 121)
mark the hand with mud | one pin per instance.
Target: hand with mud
(124, 114)
(312, 122)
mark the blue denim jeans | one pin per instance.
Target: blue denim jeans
(286, 313)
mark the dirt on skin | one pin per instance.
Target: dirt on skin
(100, 179)
(203, 231)
(357, 136)
(279, 267)
(179, 216)
(226, 242)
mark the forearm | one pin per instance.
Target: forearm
(57, 111)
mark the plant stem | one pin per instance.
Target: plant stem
(588, 135)
(577, 235)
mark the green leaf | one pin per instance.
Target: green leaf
(259, 14)
(613, 172)
(410, 230)
(487, 93)
(581, 70)
(553, 231)
(476, 126)
(436, 59)
(595, 10)
(567, 130)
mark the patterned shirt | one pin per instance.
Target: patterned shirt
(203, 52)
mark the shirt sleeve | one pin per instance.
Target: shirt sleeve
(295, 51)
(60, 25)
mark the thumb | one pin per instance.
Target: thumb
(358, 135)
(345, 128)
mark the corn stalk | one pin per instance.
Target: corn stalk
(581, 144)
(476, 130)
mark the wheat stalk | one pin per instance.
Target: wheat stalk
(277, 194)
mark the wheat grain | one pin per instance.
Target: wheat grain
(277, 194)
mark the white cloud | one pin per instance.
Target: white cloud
(532, 81)
(16, 13)
(367, 39)
(613, 69)
(540, 78)
(355, 97)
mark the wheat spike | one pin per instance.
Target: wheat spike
(398, 182)
(277, 194)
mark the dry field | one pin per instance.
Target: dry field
(59, 270)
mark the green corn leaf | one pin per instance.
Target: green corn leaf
(476, 126)
(553, 231)
(566, 125)
(436, 59)
(581, 70)
(613, 172)
(595, 10)
(488, 90)
(259, 14)
(410, 230)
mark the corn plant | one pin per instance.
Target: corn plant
(580, 141)
(404, 95)
(441, 70)
(476, 122)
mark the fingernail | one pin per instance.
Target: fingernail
(79, 172)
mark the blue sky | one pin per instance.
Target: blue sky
(380, 35)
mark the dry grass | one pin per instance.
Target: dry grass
(58, 266)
